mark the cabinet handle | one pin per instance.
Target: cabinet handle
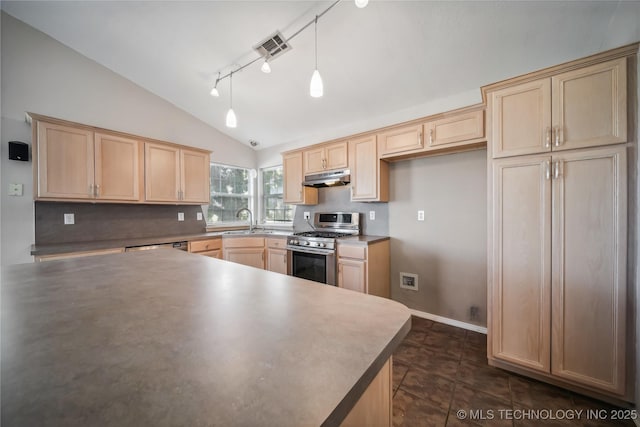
(547, 131)
(547, 172)
(557, 132)
(420, 139)
(556, 170)
(431, 136)
(97, 187)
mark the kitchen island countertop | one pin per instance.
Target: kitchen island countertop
(166, 338)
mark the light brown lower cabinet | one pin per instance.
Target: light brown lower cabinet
(374, 408)
(364, 267)
(245, 250)
(558, 289)
(210, 247)
(54, 257)
(277, 255)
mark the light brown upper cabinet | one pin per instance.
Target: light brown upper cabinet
(326, 157)
(400, 139)
(558, 266)
(455, 130)
(584, 107)
(77, 163)
(369, 174)
(294, 191)
(176, 175)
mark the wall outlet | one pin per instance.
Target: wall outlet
(420, 215)
(69, 219)
(199, 216)
(180, 216)
(372, 215)
(307, 215)
(15, 190)
(409, 281)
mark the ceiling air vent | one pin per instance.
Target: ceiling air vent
(272, 46)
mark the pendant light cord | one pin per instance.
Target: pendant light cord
(316, 28)
(231, 90)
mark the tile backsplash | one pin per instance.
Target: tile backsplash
(106, 221)
(338, 199)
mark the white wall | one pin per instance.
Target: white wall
(448, 250)
(43, 76)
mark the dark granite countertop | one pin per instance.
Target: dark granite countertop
(171, 338)
(362, 240)
(61, 248)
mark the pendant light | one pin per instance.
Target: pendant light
(316, 88)
(266, 68)
(232, 121)
(214, 91)
(361, 3)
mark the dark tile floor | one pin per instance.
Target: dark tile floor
(440, 375)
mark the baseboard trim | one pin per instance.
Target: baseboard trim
(452, 322)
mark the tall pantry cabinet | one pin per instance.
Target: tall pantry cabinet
(557, 257)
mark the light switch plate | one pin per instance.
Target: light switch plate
(420, 215)
(69, 219)
(307, 215)
(199, 216)
(372, 215)
(15, 189)
(180, 216)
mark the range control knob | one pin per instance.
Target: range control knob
(322, 245)
(305, 243)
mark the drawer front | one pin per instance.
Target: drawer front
(217, 253)
(348, 251)
(461, 128)
(205, 245)
(277, 243)
(244, 242)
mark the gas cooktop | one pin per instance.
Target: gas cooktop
(322, 234)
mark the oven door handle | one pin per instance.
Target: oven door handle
(309, 250)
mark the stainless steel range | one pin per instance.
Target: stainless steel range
(312, 254)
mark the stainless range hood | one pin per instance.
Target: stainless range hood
(328, 179)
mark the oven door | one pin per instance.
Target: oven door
(316, 265)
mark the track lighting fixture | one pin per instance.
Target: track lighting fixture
(316, 86)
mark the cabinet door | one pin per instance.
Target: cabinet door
(294, 192)
(521, 119)
(352, 274)
(400, 139)
(521, 262)
(314, 160)
(277, 260)
(590, 106)
(194, 174)
(364, 168)
(589, 268)
(117, 167)
(65, 162)
(253, 257)
(162, 172)
(455, 129)
(336, 156)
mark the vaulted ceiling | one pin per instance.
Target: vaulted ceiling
(389, 62)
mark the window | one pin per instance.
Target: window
(273, 207)
(231, 189)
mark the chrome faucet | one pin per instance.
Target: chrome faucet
(250, 217)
